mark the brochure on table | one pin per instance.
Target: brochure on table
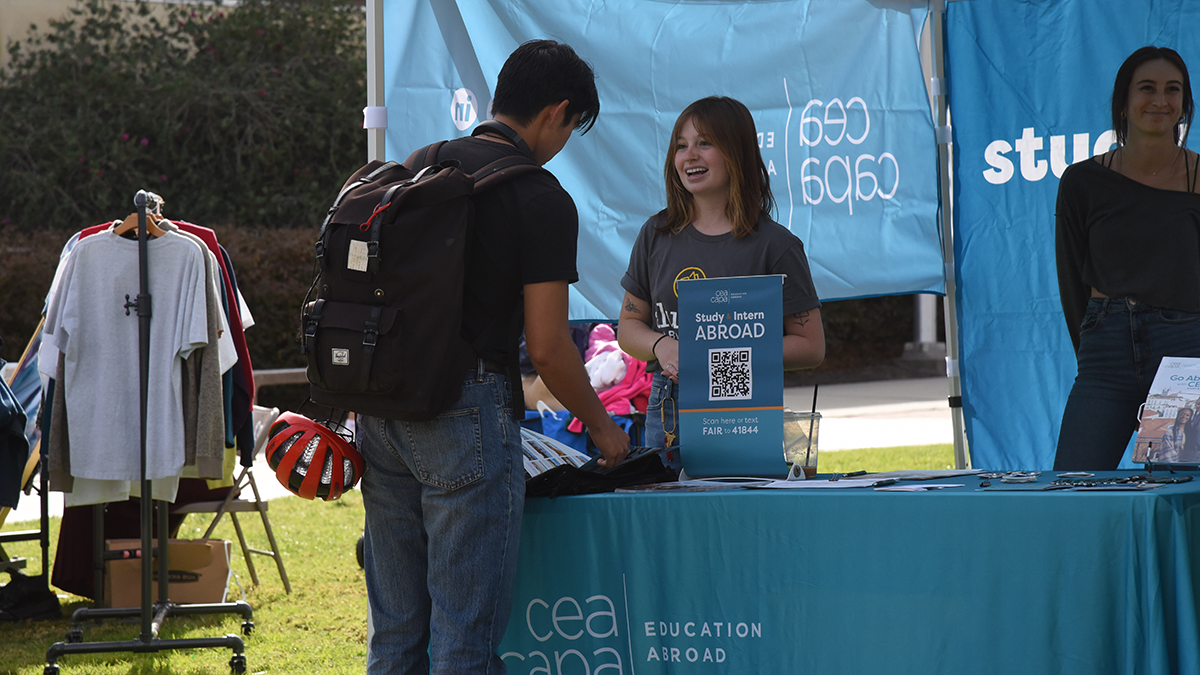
(542, 453)
(1170, 426)
(731, 365)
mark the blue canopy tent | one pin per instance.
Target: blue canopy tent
(836, 88)
(837, 91)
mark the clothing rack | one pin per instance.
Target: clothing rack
(152, 615)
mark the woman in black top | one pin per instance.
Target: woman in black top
(1128, 250)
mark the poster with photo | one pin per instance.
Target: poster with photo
(1169, 431)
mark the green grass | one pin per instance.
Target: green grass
(319, 628)
(887, 459)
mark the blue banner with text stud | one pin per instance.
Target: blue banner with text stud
(1030, 91)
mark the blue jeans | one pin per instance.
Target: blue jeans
(662, 415)
(1121, 343)
(443, 501)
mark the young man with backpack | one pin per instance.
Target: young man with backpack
(444, 497)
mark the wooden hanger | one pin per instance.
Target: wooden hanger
(131, 222)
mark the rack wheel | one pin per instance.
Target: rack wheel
(237, 664)
(247, 627)
(75, 635)
(51, 669)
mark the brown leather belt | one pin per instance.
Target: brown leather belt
(490, 366)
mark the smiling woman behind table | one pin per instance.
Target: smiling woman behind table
(1128, 248)
(717, 224)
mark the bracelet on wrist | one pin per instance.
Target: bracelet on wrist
(660, 339)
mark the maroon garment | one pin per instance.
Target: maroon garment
(73, 556)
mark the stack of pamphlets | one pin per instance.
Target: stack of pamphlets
(542, 453)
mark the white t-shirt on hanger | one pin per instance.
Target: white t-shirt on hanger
(100, 344)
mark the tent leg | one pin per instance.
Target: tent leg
(937, 18)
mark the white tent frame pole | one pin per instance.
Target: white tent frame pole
(937, 17)
(376, 138)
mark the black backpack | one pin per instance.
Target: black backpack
(383, 334)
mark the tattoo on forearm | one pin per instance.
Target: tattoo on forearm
(800, 319)
(631, 308)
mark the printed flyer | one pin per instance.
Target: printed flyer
(731, 376)
(1170, 427)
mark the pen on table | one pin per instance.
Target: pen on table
(839, 476)
(885, 481)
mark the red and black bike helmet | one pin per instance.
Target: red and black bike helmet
(310, 459)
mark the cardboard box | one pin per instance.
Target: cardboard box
(198, 572)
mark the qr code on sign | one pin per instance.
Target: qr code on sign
(729, 374)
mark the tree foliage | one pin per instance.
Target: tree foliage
(248, 115)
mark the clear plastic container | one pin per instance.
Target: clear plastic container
(800, 431)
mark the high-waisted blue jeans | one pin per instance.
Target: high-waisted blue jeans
(1120, 346)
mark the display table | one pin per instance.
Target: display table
(858, 581)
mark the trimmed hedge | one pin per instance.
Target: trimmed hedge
(247, 116)
(273, 266)
(245, 120)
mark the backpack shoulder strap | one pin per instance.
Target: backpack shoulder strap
(362, 180)
(423, 157)
(504, 170)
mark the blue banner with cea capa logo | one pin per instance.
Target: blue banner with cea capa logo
(835, 87)
(1030, 90)
(731, 375)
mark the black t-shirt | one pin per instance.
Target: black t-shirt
(525, 233)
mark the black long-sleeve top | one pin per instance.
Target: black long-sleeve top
(1124, 239)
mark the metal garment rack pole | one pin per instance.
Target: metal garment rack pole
(152, 615)
(937, 28)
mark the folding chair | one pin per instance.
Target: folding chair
(263, 419)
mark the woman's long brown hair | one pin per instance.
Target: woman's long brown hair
(728, 125)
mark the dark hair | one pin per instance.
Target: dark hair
(541, 73)
(729, 126)
(1120, 96)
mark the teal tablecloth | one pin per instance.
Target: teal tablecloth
(858, 581)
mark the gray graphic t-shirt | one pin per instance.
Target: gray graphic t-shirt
(659, 260)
